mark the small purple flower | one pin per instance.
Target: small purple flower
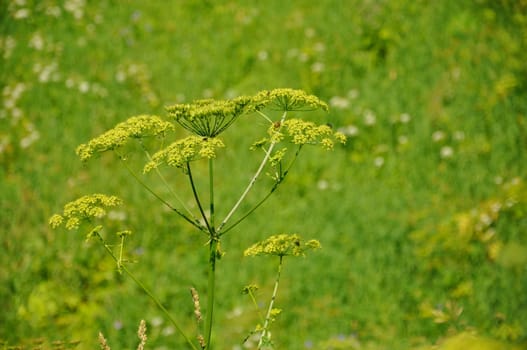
(118, 324)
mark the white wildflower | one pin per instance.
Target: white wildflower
(405, 118)
(53, 11)
(438, 136)
(322, 185)
(116, 215)
(353, 94)
(369, 118)
(84, 87)
(36, 41)
(29, 139)
(446, 152)
(349, 130)
(21, 13)
(310, 32)
(319, 47)
(318, 67)
(459, 135)
(339, 102)
(263, 55)
(7, 45)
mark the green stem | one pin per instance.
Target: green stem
(255, 303)
(254, 178)
(145, 186)
(165, 182)
(271, 304)
(146, 290)
(211, 189)
(160, 306)
(213, 254)
(213, 247)
(271, 191)
(196, 198)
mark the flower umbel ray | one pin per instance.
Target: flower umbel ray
(282, 245)
(209, 118)
(133, 128)
(181, 152)
(84, 208)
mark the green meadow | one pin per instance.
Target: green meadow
(422, 214)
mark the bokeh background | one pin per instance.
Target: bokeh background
(422, 214)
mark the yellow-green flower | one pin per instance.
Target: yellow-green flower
(181, 152)
(133, 128)
(277, 157)
(84, 208)
(208, 117)
(301, 132)
(304, 132)
(282, 245)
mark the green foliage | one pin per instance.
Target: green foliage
(430, 94)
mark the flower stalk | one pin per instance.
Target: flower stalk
(264, 336)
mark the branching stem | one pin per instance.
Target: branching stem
(196, 198)
(146, 290)
(271, 191)
(146, 187)
(253, 179)
(165, 182)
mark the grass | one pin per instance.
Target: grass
(385, 207)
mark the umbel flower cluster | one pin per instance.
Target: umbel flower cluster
(207, 119)
(134, 128)
(181, 152)
(282, 245)
(83, 209)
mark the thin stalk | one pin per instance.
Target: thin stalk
(120, 261)
(255, 303)
(253, 179)
(211, 191)
(271, 304)
(237, 222)
(213, 254)
(196, 198)
(160, 306)
(147, 291)
(271, 191)
(145, 186)
(265, 116)
(165, 182)
(258, 311)
(213, 246)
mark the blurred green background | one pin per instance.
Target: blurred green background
(422, 215)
